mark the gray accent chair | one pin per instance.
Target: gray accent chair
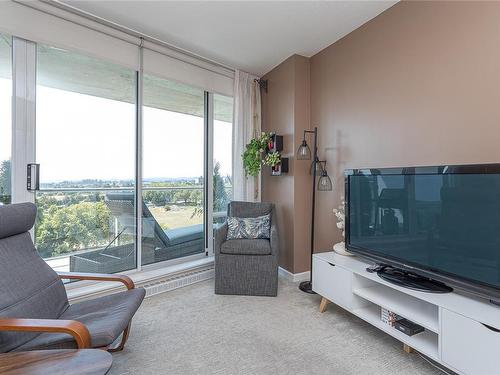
(247, 266)
(34, 308)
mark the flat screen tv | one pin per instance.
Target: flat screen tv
(440, 222)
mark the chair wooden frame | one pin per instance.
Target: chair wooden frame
(72, 327)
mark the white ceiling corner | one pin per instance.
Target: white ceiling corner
(253, 36)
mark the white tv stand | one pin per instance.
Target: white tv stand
(462, 333)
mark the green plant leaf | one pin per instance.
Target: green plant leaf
(252, 157)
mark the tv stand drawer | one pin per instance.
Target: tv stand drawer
(333, 282)
(469, 345)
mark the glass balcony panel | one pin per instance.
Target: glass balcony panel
(86, 230)
(172, 222)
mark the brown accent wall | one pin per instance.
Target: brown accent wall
(302, 180)
(417, 85)
(285, 109)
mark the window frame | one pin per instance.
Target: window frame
(24, 66)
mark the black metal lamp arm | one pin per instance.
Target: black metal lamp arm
(307, 285)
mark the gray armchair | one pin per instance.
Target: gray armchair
(34, 308)
(247, 266)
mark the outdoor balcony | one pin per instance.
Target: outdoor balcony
(94, 229)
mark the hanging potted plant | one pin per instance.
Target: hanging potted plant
(255, 155)
(252, 157)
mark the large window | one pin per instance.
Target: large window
(85, 144)
(5, 118)
(98, 155)
(173, 170)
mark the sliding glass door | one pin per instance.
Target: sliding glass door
(173, 173)
(85, 145)
(97, 156)
(5, 118)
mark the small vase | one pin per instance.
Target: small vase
(340, 249)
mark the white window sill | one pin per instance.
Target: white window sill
(82, 290)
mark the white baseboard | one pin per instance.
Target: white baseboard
(153, 280)
(175, 282)
(162, 280)
(295, 277)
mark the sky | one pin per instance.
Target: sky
(87, 137)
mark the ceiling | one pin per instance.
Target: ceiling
(253, 36)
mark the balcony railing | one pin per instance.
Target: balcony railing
(77, 220)
(120, 188)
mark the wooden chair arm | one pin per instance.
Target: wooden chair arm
(72, 327)
(127, 281)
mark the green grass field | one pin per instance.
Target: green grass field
(176, 218)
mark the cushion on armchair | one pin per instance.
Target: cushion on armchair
(248, 227)
(246, 247)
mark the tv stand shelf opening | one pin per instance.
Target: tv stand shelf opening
(416, 310)
(425, 342)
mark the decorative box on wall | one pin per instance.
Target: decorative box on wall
(281, 168)
(276, 145)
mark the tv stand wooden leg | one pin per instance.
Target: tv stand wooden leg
(322, 306)
(407, 348)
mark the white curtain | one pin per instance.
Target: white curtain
(247, 125)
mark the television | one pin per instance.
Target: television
(439, 223)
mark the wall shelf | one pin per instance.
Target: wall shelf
(281, 168)
(276, 145)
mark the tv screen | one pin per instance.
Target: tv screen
(442, 221)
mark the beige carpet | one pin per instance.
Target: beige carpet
(193, 331)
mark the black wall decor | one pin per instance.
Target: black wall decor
(281, 168)
(276, 145)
